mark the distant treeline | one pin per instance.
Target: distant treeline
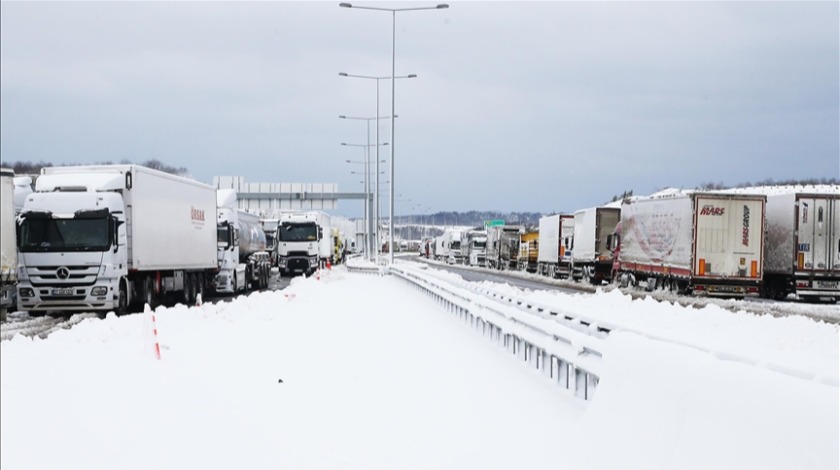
(771, 182)
(31, 168)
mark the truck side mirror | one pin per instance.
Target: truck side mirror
(116, 224)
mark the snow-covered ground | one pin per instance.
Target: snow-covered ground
(361, 371)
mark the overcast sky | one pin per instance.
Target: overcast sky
(518, 106)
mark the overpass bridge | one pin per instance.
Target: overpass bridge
(270, 199)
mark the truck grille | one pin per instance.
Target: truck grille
(296, 264)
(55, 275)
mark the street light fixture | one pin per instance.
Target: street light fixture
(393, 94)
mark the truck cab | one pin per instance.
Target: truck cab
(71, 243)
(298, 243)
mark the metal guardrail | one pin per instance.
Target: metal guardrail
(567, 351)
(573, 340)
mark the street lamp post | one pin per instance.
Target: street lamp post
(393, 108)
(376, 188)
(368, 239)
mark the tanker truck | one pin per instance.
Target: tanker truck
(8, 248)
(244, 263)
(105, 237)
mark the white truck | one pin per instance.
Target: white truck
(474, 248)
(299, 240)
(8, 247)
(502, 246)
(244, 263)
(693, 242)
(452, 240)
(441, 247)
(591, 260)
(802, 254)
(106, 237)
(554, 258)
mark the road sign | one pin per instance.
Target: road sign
(493, 223)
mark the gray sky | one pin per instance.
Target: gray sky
(518, 106)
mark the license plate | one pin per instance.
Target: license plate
(828, 284)
(63, 291)
(724, 289)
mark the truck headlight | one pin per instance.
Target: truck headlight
(26, 292)
(99, 290)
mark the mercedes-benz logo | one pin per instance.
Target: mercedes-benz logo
(63, 272)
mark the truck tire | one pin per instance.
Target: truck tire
(199, 286)
(149, 293)
(122, 300)
(185, 294)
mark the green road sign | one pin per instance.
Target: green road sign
(493, 223)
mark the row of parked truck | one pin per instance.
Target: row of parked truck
(116, 237)
(772, 241)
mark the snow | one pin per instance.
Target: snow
(376, 375)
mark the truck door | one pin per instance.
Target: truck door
(818, 226)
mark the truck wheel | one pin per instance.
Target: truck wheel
(122, 300)
(149, 293)
(185, 294)
(198, 286)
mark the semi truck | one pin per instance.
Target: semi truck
(693, 242)
(106, 237)
(244, 263)
(802, 254)
(529, 249)
(556, 237)
(452, 241)
(591, 260)
(502, 246)
(474, 247)
(298, 248)
(8, 246)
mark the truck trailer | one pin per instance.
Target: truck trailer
(244, 262)
(8, 246)
(556, 236)
(502, 246)
(529, 249)
(591, 260)
(802, 254)
(691, 242)
(106, 237)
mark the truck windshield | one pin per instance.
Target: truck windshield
(48, 234)
(455, 246)
(480, 244)
(297, 233)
